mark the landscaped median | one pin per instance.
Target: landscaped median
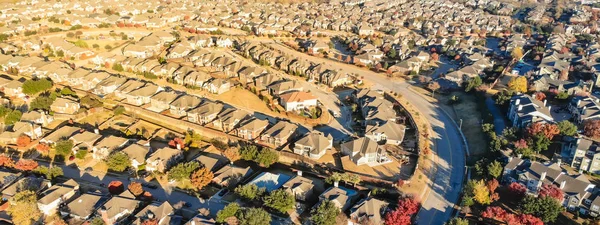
(419, 184)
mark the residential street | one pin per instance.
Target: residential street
(447, 140)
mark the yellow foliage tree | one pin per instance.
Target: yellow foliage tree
(517, 53)
(481, 193)
(202, 177)
(518, 84)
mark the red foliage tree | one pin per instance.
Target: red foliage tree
(150, 222)
(26, 165)
(551, 191)
(173, 143)
(492, 185)
(494, 212)
(23, 141)
(517, 189)
(403, 213)
(549, 130)
(527, 219)
(521, 144)
(591, 128)
(540, 96)
(116, 187)
(435, 57)
(6, 161)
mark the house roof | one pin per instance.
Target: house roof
(231, 174)
(146, 91)
(254, 124)
(207, 108)
(111, 142)
(63, 132)
(299, 184)
(85, 204)
(316, 140)
(362, 146)
(165, 96)
(163, 154)
(157, 210)
(281, 129)
(392, 130)
(118, 204)
(186, 101)
(56, 192)
(211, 163)
(297, 96)
(369, 208)
(137, 152)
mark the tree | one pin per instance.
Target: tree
(152, 221)
(233, 154)
(118, 67)
(41, 102)
(407, 207)
(518, 84)
(90, 102)
(6, 161)
(49, 173)
(548, 130)
(567, 128)
(201, 178)
(135, 188)
(26, 164)
(539, 142)
(13, 117)
(481, 193)
(64, 147)
(492, 185)
(254, 216)
(67, 91)
(183, 171)
(249, 191)
(351, 178)
(546, 208)
(473, 83)
(60, 53)
(118, 162)
(24, 209)
(249, 152)
(32, 87)
(458, 221)
(540, 96)
(495, 169)
(280, 200)
(42, 148)
(177, 143)
(517, 189)
(119, 110)
(229, 211)
(267, 157)
(551, 191)
(517, 53)
(591, 128)
(115, 187)
(325, 213)
(433, 86)
(23, 141)
(335, 177)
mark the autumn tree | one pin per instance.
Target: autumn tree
(233, 154)
(280, 200)
(115, 187)
(517, 189)
(135, 188)
(433, 86)
(517, 53)
(518, 84)
(26, 164)
(23, 141)
(152, 221)
(6, 161)
(551, 190)
(492, 185)
(407, 207)
(495, 169)
(591, 128)
(201, 178)
(540, 96)
(548, 130)
(177, 143)
(481, 193)
(24, 209)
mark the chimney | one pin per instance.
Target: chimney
(545, 102)
(562, 184)
(178, 147)
(299, 172)
(542, 177)
(336, 183)
(96, 131)
(518, 101)
(549, 107)
(578, 101)
(520, 107)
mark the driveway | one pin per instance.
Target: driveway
(448, 142)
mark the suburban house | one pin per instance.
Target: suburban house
(205, 113)
(251, 128)
(299, 186)
(279, 134)
(525, 109)
(83, 207)
(14, 89)
(368, 211)
(313, 145)
(52, 197)
(142, 95)
(163, 212)
(388, 133)
(84, 140)
(181, 105)
(229, 118)
(118, 208)
(107, 145)
(365, 151)
(230, 175)
(218, 86)
(38, 117)
(297, 100)
(18, 129)
(284, 86)
(65, 106)
(137, 154)
(584, 108)
(341, 197)
(109, 85)
(129, 86)
(161, 101)
(163, 159)
(583, 155)
(58, 134)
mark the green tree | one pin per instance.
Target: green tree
(254, 216)
(495, 169)
(67, 91)
(562, 95)
(249, 152)
(97, 221)
(325, 213)
(545, 208)
(392, 53)
(64, 147)
(32, 87)
(41, 102)
(118, 67)
(118, 162)
(567, 128)
(229, 211)
(280, 200)
(49, 173)
(183, 171)
(249, 191)
(473, 83)
(539, 142)
(24, 209)
(335, 177)
(267, 157)
(119, 110)
(458, 221)
(60, 53)
(12, 117)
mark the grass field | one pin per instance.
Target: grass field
(243, 98)
(466, 110)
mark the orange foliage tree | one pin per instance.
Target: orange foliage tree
(26, 165)
(201, 178)
(23, 141)
(6, 161)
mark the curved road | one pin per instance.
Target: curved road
(448, 174)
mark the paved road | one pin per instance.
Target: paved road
(447, 140)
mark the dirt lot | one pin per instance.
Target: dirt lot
(244, 98)
(389, 171)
